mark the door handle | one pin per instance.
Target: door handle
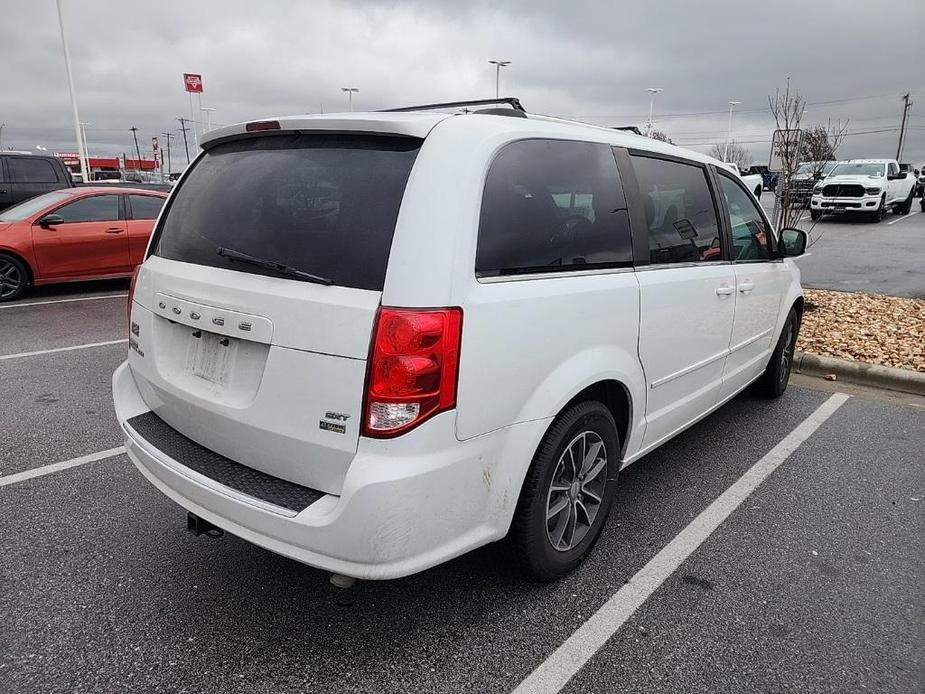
(115, 230)
(724, 290)
(746, 286)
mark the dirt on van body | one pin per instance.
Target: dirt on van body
(885, 330)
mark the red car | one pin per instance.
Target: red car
(75, 234)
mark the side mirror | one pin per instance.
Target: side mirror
(50, 220)
(793, 242)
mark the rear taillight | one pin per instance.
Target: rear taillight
(131, 292)
(412, 370)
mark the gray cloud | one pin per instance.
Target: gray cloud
(851, 61)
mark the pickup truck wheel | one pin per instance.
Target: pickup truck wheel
(13, 278)
(877, 216)
(906, 207)
(814, 215)
(758, 192)
(568, 492)
(773, 382)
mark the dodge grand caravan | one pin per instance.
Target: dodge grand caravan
(372, 342)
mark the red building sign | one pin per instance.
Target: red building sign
(193, 83)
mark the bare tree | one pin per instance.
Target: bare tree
(787, 108)
(662, 136)
(735, 154)
(820, 143)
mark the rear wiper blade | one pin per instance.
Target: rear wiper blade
(232, 254)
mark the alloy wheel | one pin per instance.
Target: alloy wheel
(577, 491)
(786, 354)
(10, 279)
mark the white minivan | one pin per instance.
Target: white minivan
(372, 342)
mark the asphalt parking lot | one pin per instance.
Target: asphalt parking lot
(848, 253)
(812, 584)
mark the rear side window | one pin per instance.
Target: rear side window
(98, 208)
(552, 205)
(680, 212)
(322, 204)
(24, 170)
(145, 206)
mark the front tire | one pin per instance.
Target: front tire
(814, 215)
(877, 216)
(568, 492)
(906, 207)
(13, 278)
(776, 375)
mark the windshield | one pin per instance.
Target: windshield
(858, 169)
(811, 167)
(319, 204)
(26, 209)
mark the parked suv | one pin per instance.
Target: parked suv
(23, 176)
(372, 342)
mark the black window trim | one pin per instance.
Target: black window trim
(638, 220)
(726, 219)
(118, 197)
(545, 272)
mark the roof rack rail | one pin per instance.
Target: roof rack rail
(512, 101)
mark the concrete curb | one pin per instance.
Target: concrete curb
(862, 373)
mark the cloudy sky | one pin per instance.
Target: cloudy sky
(593, 61)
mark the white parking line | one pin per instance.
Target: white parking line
(558, 668)
(57, 467)
(60, 349)
(64, 301)
(906, 216)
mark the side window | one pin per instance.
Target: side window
(679, 211)
(750, 232)
(99, 208)
(25, 170)
(552, 205)
(892, 169)
(2, 168)
(145, 206)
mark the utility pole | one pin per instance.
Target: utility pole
(183, 129)
(902, 128)
(732, 105)
(137, 149)
(168, 136)
(70, 86)
(498, 65)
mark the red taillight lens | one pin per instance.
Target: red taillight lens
(413, 367)
(131, 291)
(258, 125)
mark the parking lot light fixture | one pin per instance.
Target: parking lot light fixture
(350, 91)
(732, 105)
(498, 65)
(208, 110)
(652, 92)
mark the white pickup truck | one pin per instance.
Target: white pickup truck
(870, 186)
(753, 182)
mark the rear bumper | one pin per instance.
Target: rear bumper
(405, 506)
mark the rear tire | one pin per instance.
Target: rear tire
(906, 207)
(563, 506)
(14, 278)
(773, 382)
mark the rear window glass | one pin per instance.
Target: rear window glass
(322, 204)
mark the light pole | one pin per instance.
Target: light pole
(168, 136)
(498, 65)
(1, 136)
(350, 92)
(137, 149)
(652, 92)
(83, 133)
(70, 86)
(208, 111)
(732, 105)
